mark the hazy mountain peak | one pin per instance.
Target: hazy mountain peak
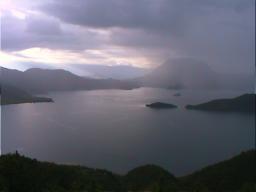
(180, 73)
(192, 73)
(39, 70)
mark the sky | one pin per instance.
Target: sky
(140, 33)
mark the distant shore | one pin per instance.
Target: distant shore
(7, 101)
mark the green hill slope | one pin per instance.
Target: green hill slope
(230, 175)
(21, 174)
(150, 178)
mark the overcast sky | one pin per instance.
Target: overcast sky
(142, 33)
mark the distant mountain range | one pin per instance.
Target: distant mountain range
(18, 173)
(20, 87)
(121, 72)
(183, 73)
(37, 80)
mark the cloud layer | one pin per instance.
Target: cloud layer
(137, 32)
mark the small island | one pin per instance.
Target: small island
(160, 105)
(244, 103)
(177, 94)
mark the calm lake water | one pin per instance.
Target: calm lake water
(112, 129)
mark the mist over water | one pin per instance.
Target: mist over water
(191, 73)
(114, 130)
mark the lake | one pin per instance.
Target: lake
(112, 129)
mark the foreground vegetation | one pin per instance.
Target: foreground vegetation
(22, 174)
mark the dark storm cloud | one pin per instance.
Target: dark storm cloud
(43, 26)
(223, 36)
(220, 32)
(45, 32)
(147, 14)
(18, 34)
(162, 15)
